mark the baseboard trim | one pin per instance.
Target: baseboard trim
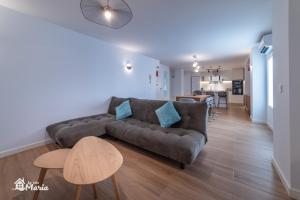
(25, 147)
(285, 183)
(256, 121)
(292, 192)
(269, 127)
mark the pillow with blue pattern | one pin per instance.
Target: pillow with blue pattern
(123, 110)
(167, 115)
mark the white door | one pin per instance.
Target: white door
(163, 83)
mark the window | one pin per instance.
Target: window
(270, 81)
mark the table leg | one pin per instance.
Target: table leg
(116, 189)
(40, 180)
(95, 191)
(77, 193)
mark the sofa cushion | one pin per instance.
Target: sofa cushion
(67, 133)
(123, 110)
(167, 115)
(114, 102)
(176, 143)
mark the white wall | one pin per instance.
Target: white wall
(188, 83)
(286, 31)
(281, 129)
(295, 94)
(177, 83)
(258, 80)
(269, 108)
(49, 74)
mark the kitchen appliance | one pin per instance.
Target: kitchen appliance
(237, 87)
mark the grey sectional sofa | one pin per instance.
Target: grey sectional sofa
(182, 142)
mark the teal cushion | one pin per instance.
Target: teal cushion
(167, 115)
(123, 110)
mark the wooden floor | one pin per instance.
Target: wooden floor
(235, 164)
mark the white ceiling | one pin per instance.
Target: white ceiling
(220, 32)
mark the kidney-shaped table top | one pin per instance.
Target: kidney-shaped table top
(91, 160)
(53, 159)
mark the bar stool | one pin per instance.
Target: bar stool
(222, 96)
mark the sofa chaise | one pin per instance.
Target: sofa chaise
(181, 142)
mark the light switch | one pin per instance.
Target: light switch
(281, 88)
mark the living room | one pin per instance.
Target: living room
(89, 99)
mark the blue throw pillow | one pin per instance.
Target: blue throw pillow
(123, 110)
(167, 115)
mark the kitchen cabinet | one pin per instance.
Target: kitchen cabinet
(226, 75)
(237, 74)
(236, 99)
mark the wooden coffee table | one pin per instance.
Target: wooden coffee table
(51, 160)
(90, 161)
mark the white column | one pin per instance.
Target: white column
(286, 48)
(294, 83)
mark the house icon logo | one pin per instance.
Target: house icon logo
(20, 184)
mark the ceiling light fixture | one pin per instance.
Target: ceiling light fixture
(111, 13)
(195, 64)
(107, 13)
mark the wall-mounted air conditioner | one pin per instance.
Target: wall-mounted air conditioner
(265, 45)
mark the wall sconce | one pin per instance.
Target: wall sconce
(128, 66)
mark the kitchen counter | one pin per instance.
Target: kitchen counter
(237, 99)
(199, 98)
(216, 91)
